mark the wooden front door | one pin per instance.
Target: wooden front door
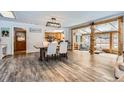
(20, 41)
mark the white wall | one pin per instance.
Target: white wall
(32, 38)
(67, 34)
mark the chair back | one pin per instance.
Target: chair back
(37, 45)
(63, 47)
(45, 43)
(52, 48)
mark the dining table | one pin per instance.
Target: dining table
(43, 50)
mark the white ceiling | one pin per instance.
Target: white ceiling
(67, 18)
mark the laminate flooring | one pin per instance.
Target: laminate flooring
(79, 67)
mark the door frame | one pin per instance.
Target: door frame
(14, 31)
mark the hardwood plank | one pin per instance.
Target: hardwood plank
(79, 67)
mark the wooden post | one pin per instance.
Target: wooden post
(72, 40)
(120, 35)
(83, 39)
(92, 39)
(111, 42)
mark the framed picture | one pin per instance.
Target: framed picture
(5, 32)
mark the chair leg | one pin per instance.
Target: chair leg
(66, 56)
(60, 55)
(47, 58)
(52, 56)
(55, 57)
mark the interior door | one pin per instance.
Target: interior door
(20, 41)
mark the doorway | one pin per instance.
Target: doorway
(19, 40)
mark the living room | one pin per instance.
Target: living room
(26, 39)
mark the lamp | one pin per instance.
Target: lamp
(53, 23)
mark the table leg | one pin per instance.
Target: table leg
(41, 56)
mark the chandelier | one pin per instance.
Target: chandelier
(53, 23)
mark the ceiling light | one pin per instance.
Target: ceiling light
(53, 23)
(7, 14)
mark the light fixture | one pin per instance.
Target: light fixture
(7, 14)
(53, 23)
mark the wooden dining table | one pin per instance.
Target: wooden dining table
(42, 51)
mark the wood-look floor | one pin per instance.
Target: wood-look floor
(79, 67)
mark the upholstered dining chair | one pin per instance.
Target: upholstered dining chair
(45, 43)
(63, 49)
(51, 50)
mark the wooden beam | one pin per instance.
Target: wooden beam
(111, 42)
(72, 39)
(95, 23)
(120, 35)
(92, 37)
(105, 21)
(102, 32)
(106, 32)
(83, 39)
(81, 26)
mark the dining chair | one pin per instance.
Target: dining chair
(51, 50)
(37, 45)
(63, 49)
(45, 43)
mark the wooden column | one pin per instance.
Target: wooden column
(111, 42)
(83, 39)
(120, 35)
(92, 39)
(72, 40)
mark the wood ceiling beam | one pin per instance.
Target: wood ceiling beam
(103, 32)
(95, 23)
(106, 21)
(81, 26)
